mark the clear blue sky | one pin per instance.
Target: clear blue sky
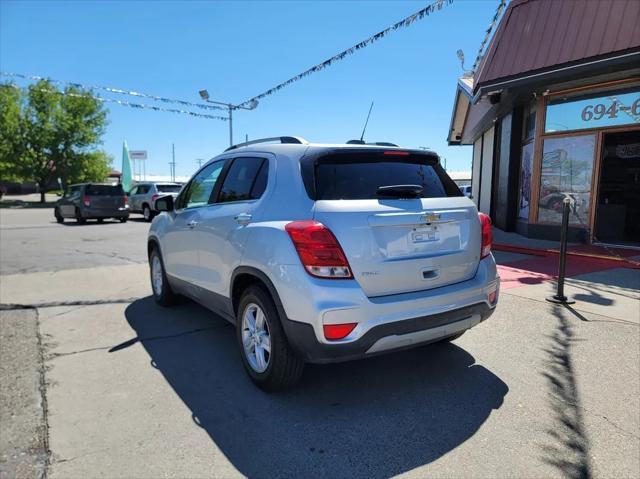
(239, 49)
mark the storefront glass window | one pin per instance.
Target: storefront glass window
(567, 167)
(525, 181)
(595, 111)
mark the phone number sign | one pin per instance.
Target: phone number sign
(615, 109)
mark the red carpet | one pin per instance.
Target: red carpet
(544, 267)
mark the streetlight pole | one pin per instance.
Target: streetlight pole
(253, 104)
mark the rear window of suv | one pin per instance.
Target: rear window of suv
(360, 178)
(169, 188)
(104, 190)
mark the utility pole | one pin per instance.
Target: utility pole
(199, 161)
(173, 162)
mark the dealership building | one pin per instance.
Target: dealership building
(553, 111)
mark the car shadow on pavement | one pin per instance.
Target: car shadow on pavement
(376, 418)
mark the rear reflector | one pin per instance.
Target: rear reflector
(492, 297)
(318, 249)
(338, 331)
(487, 235)
(396, 153)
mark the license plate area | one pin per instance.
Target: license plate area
(424, 234)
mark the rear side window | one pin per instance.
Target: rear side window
(360, 180)
(72, 191)
(246, 180)
(104, 190)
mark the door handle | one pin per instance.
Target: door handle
(243, 218)
(192, 224)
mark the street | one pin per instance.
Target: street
(128, 389)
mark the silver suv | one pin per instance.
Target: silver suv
(142, 197)
(322, 253)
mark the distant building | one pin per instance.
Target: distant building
(114, 177)
(553, 112)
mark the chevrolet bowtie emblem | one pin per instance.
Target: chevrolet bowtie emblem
(430, 217)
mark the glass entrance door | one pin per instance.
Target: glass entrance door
(618, 208)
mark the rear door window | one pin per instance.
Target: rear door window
(358, 180)
(246, 180)
(104, 190)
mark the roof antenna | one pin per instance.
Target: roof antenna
(366, 122)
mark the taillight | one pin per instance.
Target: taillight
(154, 197)
(86, 201)
(338, 331)
(487, 235)
(126, 200)
(318, 249)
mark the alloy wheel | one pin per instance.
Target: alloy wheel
(256, 340)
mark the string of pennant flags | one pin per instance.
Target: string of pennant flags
(113, 90)
(140, 106)
(405, 22)
(487, 34)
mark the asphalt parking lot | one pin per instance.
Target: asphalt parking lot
(97, 381)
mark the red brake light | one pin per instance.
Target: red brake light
(319, 251)
(126, 200)
(487, 235)
(338, 331)
(154, 197)
(86, 201)
(396, 153)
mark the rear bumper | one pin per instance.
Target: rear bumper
(385, 337)
(105, 213)
(382, 323)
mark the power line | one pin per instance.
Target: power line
(112, 90)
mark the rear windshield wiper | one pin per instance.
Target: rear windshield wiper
(400, 191)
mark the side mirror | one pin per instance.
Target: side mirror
(165, 203)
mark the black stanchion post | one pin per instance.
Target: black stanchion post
(559, 297)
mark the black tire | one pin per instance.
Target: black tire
(147, 213)
(284, 367)
(58, 216)
(448, 339)
(165, 296)
(123, 219)
(79, 217)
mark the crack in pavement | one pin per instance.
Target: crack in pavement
(132, 341)
(592, 413)
(42, 386)
(112, 255)
(55, 304)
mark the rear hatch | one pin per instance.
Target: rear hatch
(402, 222)
(105, 197)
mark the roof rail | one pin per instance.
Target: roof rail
(282, 139)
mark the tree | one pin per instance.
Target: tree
(53, 135)
(10, 132)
